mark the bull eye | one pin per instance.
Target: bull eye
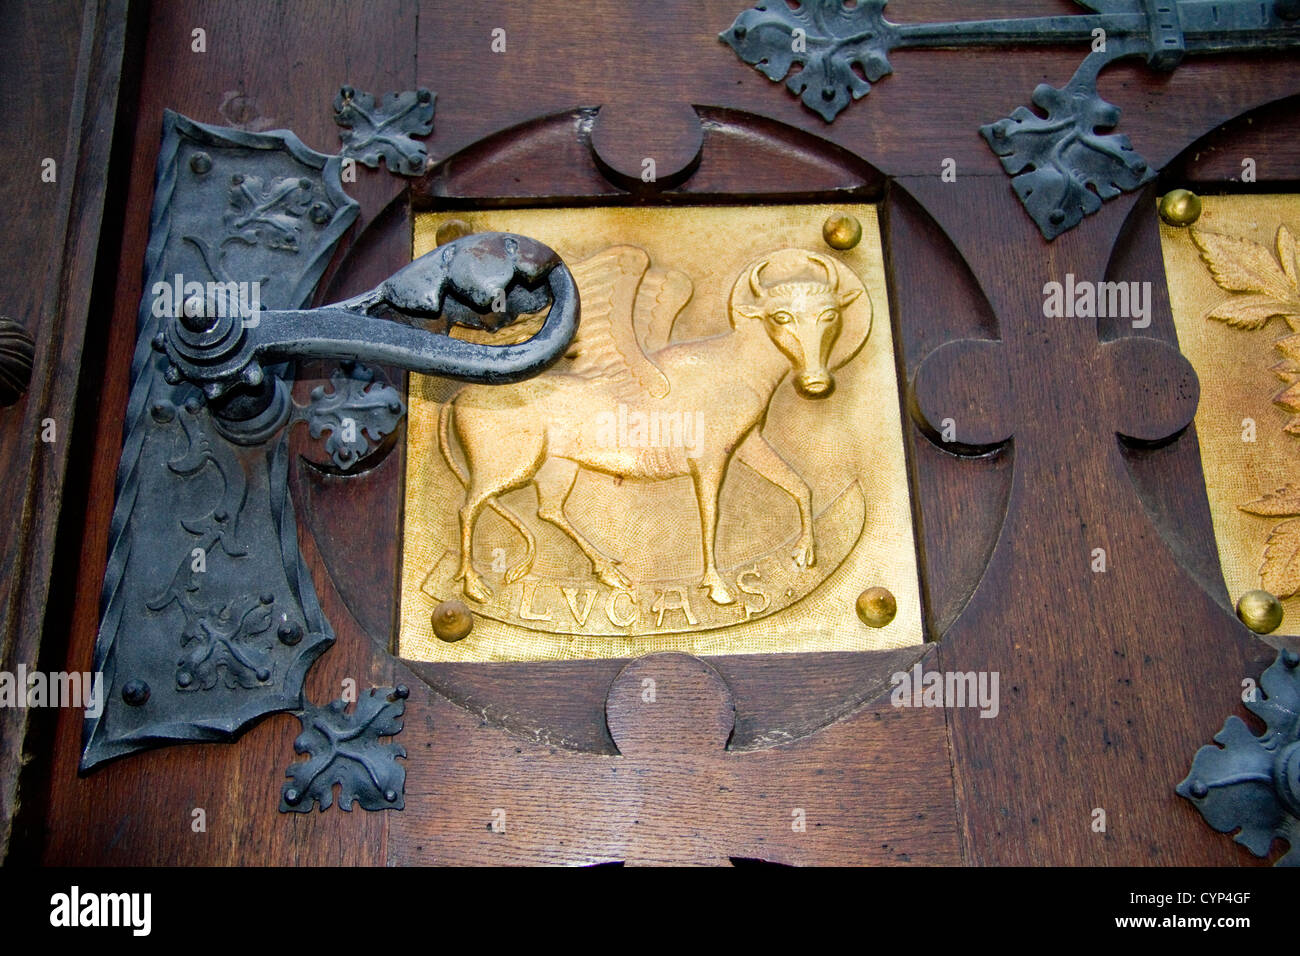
(829, 315)
(782, 318)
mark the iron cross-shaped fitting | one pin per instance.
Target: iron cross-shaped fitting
(1062, 167)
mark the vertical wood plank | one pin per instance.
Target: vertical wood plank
(266, 66)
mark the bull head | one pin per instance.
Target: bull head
(803, 319)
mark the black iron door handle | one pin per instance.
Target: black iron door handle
(483, 281)
(210, 618)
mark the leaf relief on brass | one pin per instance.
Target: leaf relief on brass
(1265, 284)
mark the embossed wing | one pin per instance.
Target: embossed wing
(623, 302)
(603, 408)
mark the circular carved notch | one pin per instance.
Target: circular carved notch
(647, 149)
(669, 703)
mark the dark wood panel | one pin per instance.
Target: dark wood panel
(780, 164)
(634, 60)
(934, 299)
(1090, 664)
(63, 62)
(1118, 677)
(266, 66)
(873, 788)
(1270, 134)
(1109, 681)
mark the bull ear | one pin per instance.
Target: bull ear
(848, 297)
(749, 311)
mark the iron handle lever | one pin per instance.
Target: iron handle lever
(483, 281)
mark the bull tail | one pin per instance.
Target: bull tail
(525, 564)
(444, 423)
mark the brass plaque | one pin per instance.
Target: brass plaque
(1236, 303)
(716, 467)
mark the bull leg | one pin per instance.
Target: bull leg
(554, 483)
(708, 483)
(488, 477)
(475, 587)
(760, 456)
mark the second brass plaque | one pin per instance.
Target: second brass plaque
(1234, 287)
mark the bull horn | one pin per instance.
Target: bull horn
(832, 274)
(756, 278)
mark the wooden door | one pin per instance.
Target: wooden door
(1062, 539)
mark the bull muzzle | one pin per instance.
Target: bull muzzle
(816, 383)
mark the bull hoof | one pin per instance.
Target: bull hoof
(517, 572)
(717, 588)
(476, 590)
(611, 575)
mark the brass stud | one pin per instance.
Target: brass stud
(452, 621)
(1260, 611)
(876, 607)
(842, 231)
(452, 229)
(1180, 207)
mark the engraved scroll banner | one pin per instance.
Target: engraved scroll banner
(716, 466)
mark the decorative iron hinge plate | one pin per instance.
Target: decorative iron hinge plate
(210, 618)
(1252, 783)
(1063, 165)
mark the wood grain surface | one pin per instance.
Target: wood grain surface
(873, 789)
(1109, 681)
(266, 67)
(63, 62)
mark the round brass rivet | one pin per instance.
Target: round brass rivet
(876, 607)
(841, 231)
(1180, 207)
(201, 163)
(1260, 611)
(451, 229)
(452, 621)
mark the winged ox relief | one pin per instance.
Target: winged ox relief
(704, 400)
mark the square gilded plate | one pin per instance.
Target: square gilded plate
(716, 467)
